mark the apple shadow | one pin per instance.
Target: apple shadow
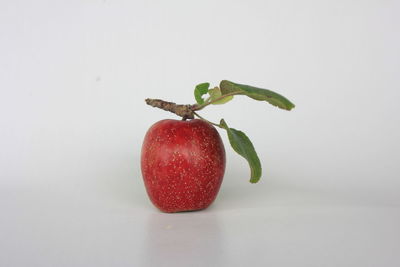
(179, 239)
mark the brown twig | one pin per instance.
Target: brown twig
(184, 111)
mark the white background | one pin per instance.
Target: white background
(73, 78)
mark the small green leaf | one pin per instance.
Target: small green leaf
(243, 146)
(271, 97)
(215, 93)
(200, 90)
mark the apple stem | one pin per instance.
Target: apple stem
(184, 111)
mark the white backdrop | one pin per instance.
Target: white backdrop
(73, 79)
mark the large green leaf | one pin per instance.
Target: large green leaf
(228, 87)
(243, 146)
(200, 90)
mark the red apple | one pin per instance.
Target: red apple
(183, 164)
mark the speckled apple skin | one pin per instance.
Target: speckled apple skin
(183, 164)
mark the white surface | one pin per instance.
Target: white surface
(73, 76)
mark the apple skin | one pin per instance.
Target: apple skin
(183, 164)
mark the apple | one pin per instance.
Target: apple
(183, 161)
(183, 164)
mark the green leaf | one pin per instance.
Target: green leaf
(228, 87)
(200, 90)
(215, 93)
(243, 146)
